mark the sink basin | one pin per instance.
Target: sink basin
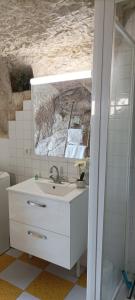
(48, 189)
(55, 188)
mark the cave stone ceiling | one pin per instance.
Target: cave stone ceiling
(51, 36)
(124, 10)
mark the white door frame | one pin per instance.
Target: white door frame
(104, 24)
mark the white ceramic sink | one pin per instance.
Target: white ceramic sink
(47, 189)
(54, 188)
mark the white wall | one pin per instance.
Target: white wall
(117, 171)
(131, 229)
(130, 27)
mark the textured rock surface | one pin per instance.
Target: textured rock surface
(9, 102)
(5, 97)
(16, 103)
(124, 10)
(61, 117)
(53, 36)
(130, 25)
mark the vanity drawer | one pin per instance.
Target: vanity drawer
(50, 246)
(36, 211)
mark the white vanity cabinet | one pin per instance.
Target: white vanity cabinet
(54, 229)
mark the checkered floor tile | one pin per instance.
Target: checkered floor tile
(25, 278)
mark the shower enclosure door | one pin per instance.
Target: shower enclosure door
(110, 169)
(119, 138)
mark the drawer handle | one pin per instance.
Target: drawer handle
(31, 203)
(38, 235)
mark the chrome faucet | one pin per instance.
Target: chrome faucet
(57, 178)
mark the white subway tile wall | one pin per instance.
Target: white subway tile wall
(130, 27)
(118, 152)
(17, 156)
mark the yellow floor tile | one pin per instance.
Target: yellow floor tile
(82, 281)
(40, 263)
(8, 291)
(5, 261)
(49, 287)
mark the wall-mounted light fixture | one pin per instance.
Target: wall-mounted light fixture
(61, 77)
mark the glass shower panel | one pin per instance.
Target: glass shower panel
(118, 164)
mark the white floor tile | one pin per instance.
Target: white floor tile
(26, 296)
(14, 252)
(77, 293)
(20, 274)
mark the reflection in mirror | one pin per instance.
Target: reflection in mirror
(62, 110)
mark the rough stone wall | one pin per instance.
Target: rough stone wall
(16, 103)
(53, 36)
(130, 25)
(5, 97)
(124, 10)
(9, 102)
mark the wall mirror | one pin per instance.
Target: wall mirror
(61, 115)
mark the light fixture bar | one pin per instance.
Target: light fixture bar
(61, 77)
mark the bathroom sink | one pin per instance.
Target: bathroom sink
(55, 188)
(47, 189)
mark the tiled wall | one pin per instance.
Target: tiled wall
(130, 27)
(16, 153)
(17, 157)
(117, 171)
(131, 229)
